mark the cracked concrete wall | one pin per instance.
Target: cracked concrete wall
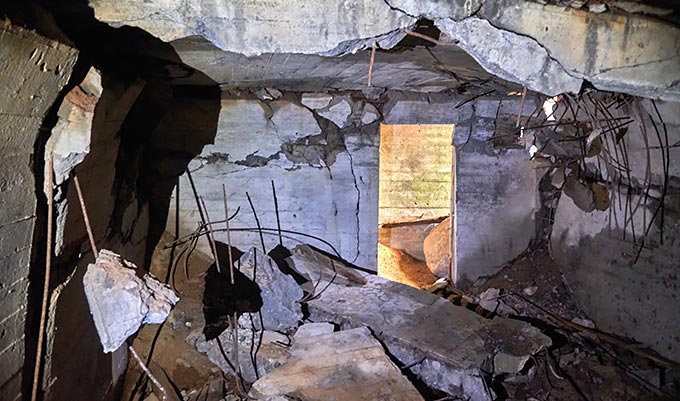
(317, 185)
(33, 70)
(549, 48)
(596, 251)
(328, 187)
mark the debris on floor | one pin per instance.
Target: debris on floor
(446, 346)
(120, 302)
(345, 365)
(363, 337)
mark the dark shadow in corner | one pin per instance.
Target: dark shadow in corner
(221, 299)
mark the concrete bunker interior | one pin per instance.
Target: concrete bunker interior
(133, 132)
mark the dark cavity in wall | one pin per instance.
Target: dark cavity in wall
(178, 103)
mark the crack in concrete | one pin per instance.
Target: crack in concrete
(356, 211)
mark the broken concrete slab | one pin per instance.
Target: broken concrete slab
(452, 343)
(316, 266)
(314, 329)
(120, 301)
(437, 248)
(345, 365)
(280, 293)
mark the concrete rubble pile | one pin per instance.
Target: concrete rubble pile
(357, 332)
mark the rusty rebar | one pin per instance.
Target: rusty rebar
(87, 219)
(46, 286)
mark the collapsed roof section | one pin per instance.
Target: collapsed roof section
(549, 48)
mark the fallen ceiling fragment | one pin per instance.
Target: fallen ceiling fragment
(445, 345)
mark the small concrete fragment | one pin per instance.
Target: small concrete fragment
(452, 342)
(338, 113)
(345, 365)
(437, 248)
(491, 301)
(280, 293)
(268, 94)
(369, 114)
(120, 301)
(316, 101)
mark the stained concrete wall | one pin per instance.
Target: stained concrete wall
(33, 70)
(622, 292)
(322, 151)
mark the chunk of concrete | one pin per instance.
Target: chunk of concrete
(369, 114)
(120, 301)
(280, 293)
(338, 113)
(437, 248)
(69, 142)
(315, 266)
(452, 343)
(345, 365)
(316, 101)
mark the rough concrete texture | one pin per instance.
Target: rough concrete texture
(596, 252)
(33, 70)
(271, 351)
(415, 69)
(513, 57)
(69, 141)
(613, 51)
(339, 28)
(120, 302)
(314, 329)
(345, 365)
(437, 248)
(634, 299)
(280, 293)
(452, 343)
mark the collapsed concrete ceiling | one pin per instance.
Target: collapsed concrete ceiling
(549, 48)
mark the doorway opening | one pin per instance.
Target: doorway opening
(416, 203)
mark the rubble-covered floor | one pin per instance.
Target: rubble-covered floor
(388, 341)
